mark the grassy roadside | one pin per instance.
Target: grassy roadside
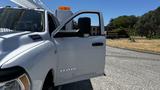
(143, 45)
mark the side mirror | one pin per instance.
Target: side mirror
(84, 24)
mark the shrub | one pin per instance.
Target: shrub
(117, 33)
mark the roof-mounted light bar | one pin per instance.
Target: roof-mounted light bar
(64, 8)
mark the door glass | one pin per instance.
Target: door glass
(94, 28)
(82, 25)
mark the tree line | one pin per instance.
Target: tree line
(147, 25)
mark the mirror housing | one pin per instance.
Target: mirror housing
(84, 24)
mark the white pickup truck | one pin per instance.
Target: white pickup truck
(39, 50)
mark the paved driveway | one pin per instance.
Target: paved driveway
(125, 70)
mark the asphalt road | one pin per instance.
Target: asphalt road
(125, 70)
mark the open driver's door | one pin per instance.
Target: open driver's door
(81, 51)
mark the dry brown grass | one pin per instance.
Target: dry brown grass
(139, 45)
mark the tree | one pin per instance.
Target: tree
(123, 22)
(146, 25)
(149, 24)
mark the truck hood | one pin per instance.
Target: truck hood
(13, 43)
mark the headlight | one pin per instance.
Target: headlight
(12, 85)
(21, 83)
(14, 79)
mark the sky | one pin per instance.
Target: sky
(109, 8)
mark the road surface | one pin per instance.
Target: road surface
(125, 70)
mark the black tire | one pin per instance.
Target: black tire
(48, 83)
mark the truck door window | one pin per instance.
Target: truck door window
(51, 24)
(81, 25)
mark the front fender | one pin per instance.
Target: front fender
(37, 61)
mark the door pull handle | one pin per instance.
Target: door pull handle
(98, 44)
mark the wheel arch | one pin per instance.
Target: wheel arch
(49, 76)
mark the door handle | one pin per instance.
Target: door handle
(98, 44)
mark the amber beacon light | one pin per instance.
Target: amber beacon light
(65, 8)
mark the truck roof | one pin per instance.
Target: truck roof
(30, 3)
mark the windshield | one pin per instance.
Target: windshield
(21, 20)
